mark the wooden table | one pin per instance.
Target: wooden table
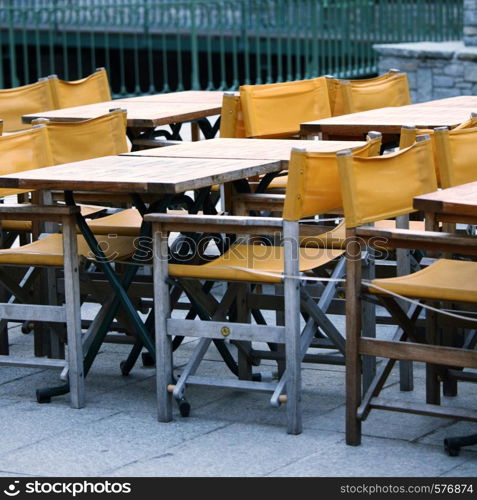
(246, 149)
(162, 177)
(145, 113)
(455, 204)
(446, 112)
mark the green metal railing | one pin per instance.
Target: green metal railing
(153, 45)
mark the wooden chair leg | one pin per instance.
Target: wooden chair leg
(369, 321)
(353, 334)
(164, 374)
(280, 321)
(73, 314)
(292, 328)
(432, 371)
(243, 315)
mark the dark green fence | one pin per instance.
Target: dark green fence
(153, 45)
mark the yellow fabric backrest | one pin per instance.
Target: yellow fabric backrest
(393, 91)
(313, 185)
(93, 88)
(24, 100)
(381, 187)
(76, 141)
(22, 151)
(408, 138)
(277, 109)
(336, 93)
(455, 150)
(231, 117)
(409, 135)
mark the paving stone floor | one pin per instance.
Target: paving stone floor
(228, 433)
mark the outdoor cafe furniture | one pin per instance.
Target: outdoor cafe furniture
(407, 174)
(144, 116)
(50, 93)
(449, 112)
(368, 93)
(163, 180)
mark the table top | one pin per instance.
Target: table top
(440, 113)
(246, 149)
(140, 113)
(459, 201)
(213, 97)
(134, 174)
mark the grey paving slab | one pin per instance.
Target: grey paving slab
(235, 450)
(102, 446)
(25, 423)
(321, 393)
(141, 396)
(12, 474)
(375, 457)
(451, 429)
(384, 424)
(467, 469)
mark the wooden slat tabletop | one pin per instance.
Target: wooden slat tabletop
(445, 112)
(140, 114)
(457, 201)
(246, 149)
(134, 174)
(212, 97)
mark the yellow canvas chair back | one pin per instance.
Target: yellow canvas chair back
(382, 187)
(23, 100)
(393, 91)
(455, 150)
(441, 158)
(277, 109)
(93, 88)
(409, 133)
(76, 141)
(231, 117)
(313, 182)
(336, 93)
(22, 151)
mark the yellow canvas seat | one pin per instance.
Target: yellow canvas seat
(247, 262)
(125, 223)
(27, 99)
(334, 238)
(48, 251)
(449, 280)
(277, 109)
(407, 173)
(88, 90)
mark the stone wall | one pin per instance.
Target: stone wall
(436, 70)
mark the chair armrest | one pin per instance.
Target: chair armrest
(419, 240)
(258, 201)
(217, 224)
(27, 211)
